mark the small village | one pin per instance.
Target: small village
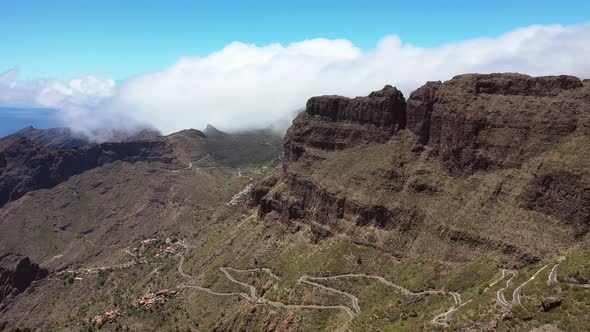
(147, 248)
(149, 300)
(107, 315)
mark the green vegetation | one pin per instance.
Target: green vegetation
(576, 267)
(472, 278)
(573, 155)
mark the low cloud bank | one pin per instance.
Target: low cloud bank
(248, 86)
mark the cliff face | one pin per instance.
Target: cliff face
(486, 122)
(479, 151)
(334, 122)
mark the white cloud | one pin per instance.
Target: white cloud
(81, 92)
(245, 85)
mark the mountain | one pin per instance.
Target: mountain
(213, 132)
(66, 138)
(479, 150)
(463, 207)
(54, 137)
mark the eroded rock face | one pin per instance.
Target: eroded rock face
(331, 124)
(412, 190)
(13, 282)
(384, 108)
(486, 122)
(335, 122)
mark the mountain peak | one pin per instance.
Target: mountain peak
(211, 131)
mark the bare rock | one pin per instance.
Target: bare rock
(335, 122)
(485, 122)
(550, 302)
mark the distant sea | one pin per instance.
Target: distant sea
(15, 119)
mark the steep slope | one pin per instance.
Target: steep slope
(13, 282)
(501, 121)
(81, 207)
(26, 166)
(66, 138)
(468, 179)
(90, 190)
(53, 138)
(487, 122)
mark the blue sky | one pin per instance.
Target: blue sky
(124, 64)
(14, 119)
(117, 39)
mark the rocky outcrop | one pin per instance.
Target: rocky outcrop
(421, 103)
(484, 122)
(312, 201)
(550, 302)
(261, 189)
(334, 122)
(13, 282)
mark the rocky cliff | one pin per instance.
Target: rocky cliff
(476, 163)
(334, 122)
(485, 122)
(15, 281)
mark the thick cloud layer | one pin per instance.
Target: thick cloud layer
(82, 92)
(245, 85)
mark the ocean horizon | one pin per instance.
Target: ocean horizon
(13, 119)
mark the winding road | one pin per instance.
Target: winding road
(252, 297)
(311, 280)
(553, 275)
(354, 299)
(441, 319)
(553, 278)
(355, 308)
(104, 268)
(516, 294)
(500, 292)
(190, 164)
(517, 291)
(505, 273)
